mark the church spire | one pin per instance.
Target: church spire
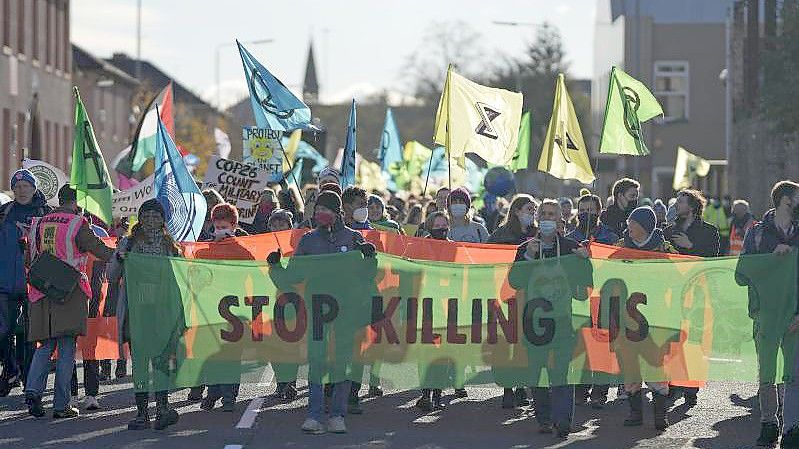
(310, 87)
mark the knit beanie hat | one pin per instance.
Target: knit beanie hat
(333, 187)
(374, 199)
(23, 175)
(461, 194)
(330, 200)
(152, 204)
(329, 171)
(645, 217)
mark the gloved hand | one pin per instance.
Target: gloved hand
(367, 249)
(274, 257)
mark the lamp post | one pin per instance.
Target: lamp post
(218, 52)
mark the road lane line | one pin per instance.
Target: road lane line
(249, 415)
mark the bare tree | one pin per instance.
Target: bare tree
(443, 43)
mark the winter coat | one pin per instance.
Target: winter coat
(600, 234)
(48, 318)
(12, 252)
(703, 235)
(615, 219)
(472, 232)
(505, 235)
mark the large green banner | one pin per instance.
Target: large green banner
(410, 323)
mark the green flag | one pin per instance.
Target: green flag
(629, 104)
(519, 160)
(89, 175)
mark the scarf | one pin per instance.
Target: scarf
(653, 243)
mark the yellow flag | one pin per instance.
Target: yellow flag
(477, 119)
(565, 155)
(291, 149)
(370, 176)
(688, 167)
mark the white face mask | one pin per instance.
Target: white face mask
(547, 227)
(360, 215)
(459, 210)
(526, 220)
(223, 233)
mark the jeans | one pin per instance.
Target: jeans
(554, 405)
(40, 367)
(338, 404)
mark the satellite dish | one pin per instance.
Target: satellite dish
(499, 181)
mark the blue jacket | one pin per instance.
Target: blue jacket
(12, 254)
(602, 234)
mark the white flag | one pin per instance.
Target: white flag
(49, 179)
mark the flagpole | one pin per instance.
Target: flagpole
(429, 167)
(291, 172)
(448, 85)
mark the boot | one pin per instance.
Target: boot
(661, 407)
(437, 404)
(508, 400)
(164, 416)
(34, 402)
(768, 435)
(142, 419)
(424, 403)
(635, 418)
(521, 397)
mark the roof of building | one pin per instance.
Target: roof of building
(310, 87)
(87, 61)
(157, 78)
(673, 11)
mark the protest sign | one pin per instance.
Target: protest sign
(127, 202)
(49, 179)
(239, 184)
(263, 149)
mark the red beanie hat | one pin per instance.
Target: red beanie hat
(462, 194)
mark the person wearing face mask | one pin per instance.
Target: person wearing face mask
(569, 219)
(15, 216)
(715, 214)
(690, 234)
(742, 221)
(225, 219)
(330, 236)
(280, 220)
(642, 234)
(148, 236)
(777, 233)
(212, 198)
(625, 199)
(462, 227)
(378, 217)
(266, 205)
(554, 406)
(355, 207)
(56, 322)
(588, 227)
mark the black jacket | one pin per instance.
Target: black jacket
(614, 218)
(703, 235)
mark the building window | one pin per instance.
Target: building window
(57, 145)
(7, 23)
(57, 46)
(21, 27)
(47, 151)
(672, 89)
(67, 153)
(35, 42)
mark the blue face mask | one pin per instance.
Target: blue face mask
(547, 227)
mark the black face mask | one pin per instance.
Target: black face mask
(439, 233)
(587, 220)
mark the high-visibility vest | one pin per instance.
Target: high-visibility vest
(737, 237)
(56, 233)
(718, 218)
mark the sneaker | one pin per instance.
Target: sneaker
(209, 402)
(769, 432)
(69, 412)
(375, 391)
(461, 393)
(313, 427)
(91, 403)
(35, 408)
(336, 425)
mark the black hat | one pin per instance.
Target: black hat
(152, 204)
(330, 200)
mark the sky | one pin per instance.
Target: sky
(360, 45)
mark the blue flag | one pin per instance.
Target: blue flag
(390, 149)
(273, 105)
(306, 151)
(296, 172)
(348, 158)
(176, 190)
(438, 167)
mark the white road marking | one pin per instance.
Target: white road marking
(234, 446)
(249, 415)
